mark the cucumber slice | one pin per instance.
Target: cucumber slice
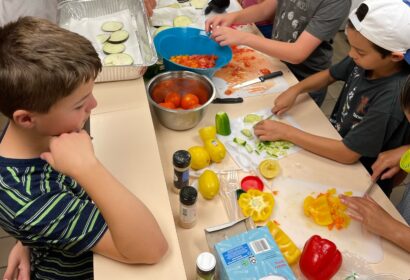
(251, 118)
(239, 141)
(118, 59)
(102, 38)
(161, 28)
(199, 4)
(111, 26)
(119, 36)
(248, 148)
(109, 48)
(181, 21)
(247, 133)
(223, 126)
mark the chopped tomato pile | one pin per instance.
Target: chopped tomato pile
(195, 61)
(327, 210)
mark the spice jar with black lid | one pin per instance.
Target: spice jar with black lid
(181, 161)
(187, 209)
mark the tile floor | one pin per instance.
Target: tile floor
(341, 48)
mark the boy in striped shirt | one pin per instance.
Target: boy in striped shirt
(55, 196)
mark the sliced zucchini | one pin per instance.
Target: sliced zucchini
(251, 118)
(118, 59)
(181, 21)
(239, 141)
(247, 133)
(199, 4)
(248, 148)
(109, 48)
(119, 36)
(102, 38)
(112, 26)
(161, 28)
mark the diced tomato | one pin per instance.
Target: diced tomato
(195, 61)
(264, 71)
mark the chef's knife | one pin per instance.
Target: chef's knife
(228, 100)
(259, 79)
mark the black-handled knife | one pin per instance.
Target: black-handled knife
(228, 100)
(259, 79)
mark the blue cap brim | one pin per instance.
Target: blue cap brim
(407, 56)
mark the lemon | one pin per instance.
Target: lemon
(199, 157)
(405, 161)
(215, 149)
(208, 132)
(269, 168)
(208, 184)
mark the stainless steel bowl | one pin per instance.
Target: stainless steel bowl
(180, 119)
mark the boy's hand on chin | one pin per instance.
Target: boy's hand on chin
(71, 153)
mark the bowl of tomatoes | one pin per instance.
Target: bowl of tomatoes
(191, 49)
(180, 98)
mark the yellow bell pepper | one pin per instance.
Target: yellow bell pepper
(256, 204)
(327, 210)
(289, 250)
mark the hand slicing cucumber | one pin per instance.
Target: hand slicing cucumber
(181, 21)
(118, 59)
(109, 48)
(119, 36)
(112, 26)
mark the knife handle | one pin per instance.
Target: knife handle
(270, 76)
(228, 100)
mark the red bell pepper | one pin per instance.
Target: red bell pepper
(320, 259)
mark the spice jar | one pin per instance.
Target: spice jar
(181, 160)
(205, 266)
(187, 209)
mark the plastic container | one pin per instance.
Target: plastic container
(205, 266)
(190, 41)
(91, 10)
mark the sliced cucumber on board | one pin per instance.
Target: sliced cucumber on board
(112, 26)
(118, 59)
(102, 38)
(199, 4)
(109, 48)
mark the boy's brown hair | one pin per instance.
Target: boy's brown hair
(40, 63)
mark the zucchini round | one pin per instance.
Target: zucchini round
(112, 26)
(102, 38)
(119, 36)
(118, 59)
(182, 21)
(109, 48)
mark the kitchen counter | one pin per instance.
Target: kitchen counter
(124, 141)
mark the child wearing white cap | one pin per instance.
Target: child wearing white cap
(367, 114)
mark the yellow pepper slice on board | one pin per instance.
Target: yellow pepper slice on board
(289, 250)
(256, 204)
(327, 210)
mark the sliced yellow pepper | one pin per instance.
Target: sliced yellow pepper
(327, 210)
(256, 204)
(289, 250)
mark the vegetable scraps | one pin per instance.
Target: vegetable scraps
(320, 259)
(327, 210)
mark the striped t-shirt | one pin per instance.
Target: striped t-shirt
(51, 214)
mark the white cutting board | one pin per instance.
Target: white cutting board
(288, 212)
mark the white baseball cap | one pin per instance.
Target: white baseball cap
(386, 24)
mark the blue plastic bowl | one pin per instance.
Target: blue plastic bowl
(190, 41)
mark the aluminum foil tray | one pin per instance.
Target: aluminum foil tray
(85, 16)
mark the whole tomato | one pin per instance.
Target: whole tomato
(173, 97)
(168, 105)
(189, 101)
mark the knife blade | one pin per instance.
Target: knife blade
(227, 100)
(259, 79)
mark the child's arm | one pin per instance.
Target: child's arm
(134, 235)
(286, 99)
(336, 150)
(377, 220)
(388, 163)
(18, 264)
(254, 13)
